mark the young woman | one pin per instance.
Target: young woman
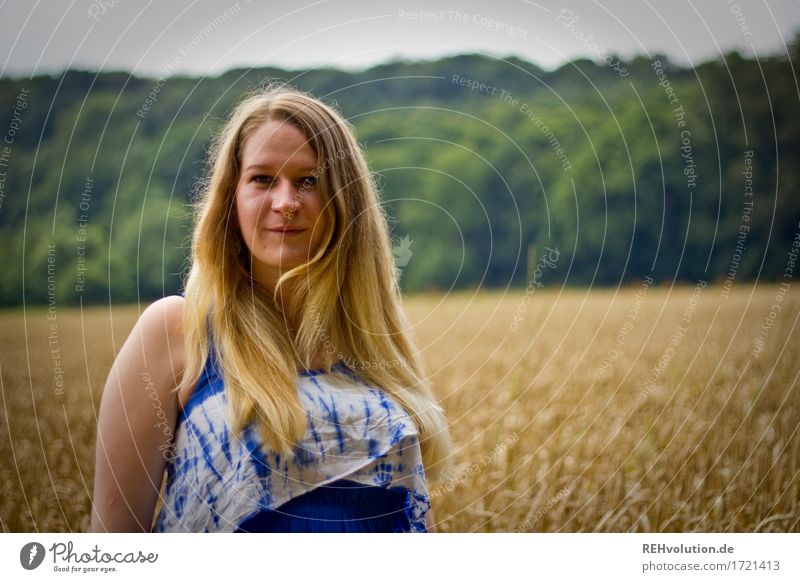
(283, 391)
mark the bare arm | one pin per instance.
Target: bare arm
(137, 420)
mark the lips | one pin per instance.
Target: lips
(286, 230)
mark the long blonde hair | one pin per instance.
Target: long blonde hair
(347, 294)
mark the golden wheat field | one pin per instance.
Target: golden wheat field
(638, 409)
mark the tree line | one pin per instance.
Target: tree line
(485, 165)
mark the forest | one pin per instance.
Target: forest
(493, 172)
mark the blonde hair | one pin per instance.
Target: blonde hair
(348, 296)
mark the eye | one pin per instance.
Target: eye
(261, 179)
(308, 182)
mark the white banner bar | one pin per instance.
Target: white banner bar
(401, 557)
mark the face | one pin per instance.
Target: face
(278, 203)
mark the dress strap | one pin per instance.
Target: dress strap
(209, 383)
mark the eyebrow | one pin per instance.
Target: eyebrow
(268, 167)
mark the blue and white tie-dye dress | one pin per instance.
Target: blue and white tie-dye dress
(358, 467)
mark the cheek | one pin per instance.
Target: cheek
(247, 210)
(236, 216)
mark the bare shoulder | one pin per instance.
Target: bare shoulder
(166, 313)
(161, 334)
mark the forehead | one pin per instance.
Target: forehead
(278, 143)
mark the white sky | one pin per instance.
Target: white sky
(210, 37)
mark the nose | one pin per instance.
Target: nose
(286, 198)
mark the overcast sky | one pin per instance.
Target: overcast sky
(210, 37)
